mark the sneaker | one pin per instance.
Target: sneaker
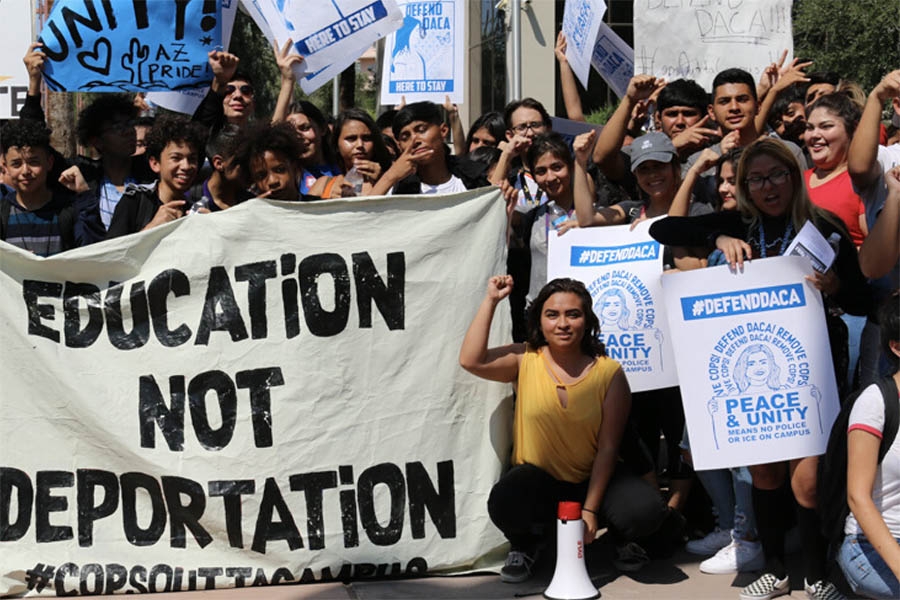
(822, 590)
(738, 556)
(766, 587)
(517, 567)
(712, 543)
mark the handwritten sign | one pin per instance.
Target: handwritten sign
(758, 380)
(695, 40)
(129, 45)
(16, 16)
(621, 269)
(425, 58)
(581, 22)
(187, 101)
(613, 58)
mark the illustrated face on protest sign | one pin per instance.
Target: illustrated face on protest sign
(621, 269)
(129, 45)
(759, 367)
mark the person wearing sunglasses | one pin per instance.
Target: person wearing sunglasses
(231, 94)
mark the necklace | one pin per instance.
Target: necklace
(784, 239)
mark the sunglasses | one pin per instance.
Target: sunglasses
(245, 90)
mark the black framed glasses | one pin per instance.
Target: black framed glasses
(758, 182)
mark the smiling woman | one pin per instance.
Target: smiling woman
(571, 409)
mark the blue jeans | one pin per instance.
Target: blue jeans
(865, 570)
(854, 332)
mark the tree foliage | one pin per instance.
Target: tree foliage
(858, 39)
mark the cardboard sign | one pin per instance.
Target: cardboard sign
(696, 40)
(425, 58)
(613, 59)
(756, 372)
(182, 411)
(129, 45)
(621, 268)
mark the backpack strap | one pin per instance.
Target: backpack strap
(888, 388)
(5, 209)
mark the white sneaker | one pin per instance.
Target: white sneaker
(712, 543)
(739, 555)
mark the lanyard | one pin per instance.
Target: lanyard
(784, 240)
(529, 200)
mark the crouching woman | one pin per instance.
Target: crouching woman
(572, 405)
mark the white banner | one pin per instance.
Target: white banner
(581, 22)
(683, 40)
(756, 372)
(621, 269)
(269, 394)
(425, 58)
(17, 17)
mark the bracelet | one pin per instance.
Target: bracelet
(593, 512)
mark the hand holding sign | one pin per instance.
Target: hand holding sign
(223, 65)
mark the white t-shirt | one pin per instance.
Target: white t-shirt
(451, 186)
(868, 415)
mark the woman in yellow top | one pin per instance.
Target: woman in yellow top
(571, 409)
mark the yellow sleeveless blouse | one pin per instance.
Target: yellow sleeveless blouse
(561, 441)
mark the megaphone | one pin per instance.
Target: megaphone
(570, 579)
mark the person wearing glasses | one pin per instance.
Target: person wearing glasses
(231, 94)
(772, 207)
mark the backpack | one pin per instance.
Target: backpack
(832, 471)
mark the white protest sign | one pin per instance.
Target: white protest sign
(581, 22)
(755, 371)
(681, 39)
(269, 394)
(188, 101)
(621, 269)
(326, 32)
(425, 58)
(613, 58)
(16, 16)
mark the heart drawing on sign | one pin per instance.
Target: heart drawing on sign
(97, 60)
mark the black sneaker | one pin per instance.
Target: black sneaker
(517, 567)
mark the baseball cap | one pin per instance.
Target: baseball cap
(652, 146)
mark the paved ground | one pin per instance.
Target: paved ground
(677, 578)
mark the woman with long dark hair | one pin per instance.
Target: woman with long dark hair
(571, 410)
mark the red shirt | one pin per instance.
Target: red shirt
(837, 196)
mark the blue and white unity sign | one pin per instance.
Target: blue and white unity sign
(621, 269)
(758, 382)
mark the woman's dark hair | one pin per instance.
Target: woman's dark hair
(734, 157)
(590, 343)
(841, 106)
(312, 112)
(889, 319)
(380, 152)
(525, 103)
(548, 142)
(493, 122)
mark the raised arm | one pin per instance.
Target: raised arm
(862, 163)
(612, 136)
(781, 79)
(881, 250)
(616, 406)
(456, 128)
(583, 191)
(567, 81)
(497, 364)
(285, 61)
(681, 205)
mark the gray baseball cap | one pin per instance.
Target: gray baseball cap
(652, 146)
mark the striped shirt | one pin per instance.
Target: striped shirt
(34, 230)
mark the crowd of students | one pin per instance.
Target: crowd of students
(737, 171)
